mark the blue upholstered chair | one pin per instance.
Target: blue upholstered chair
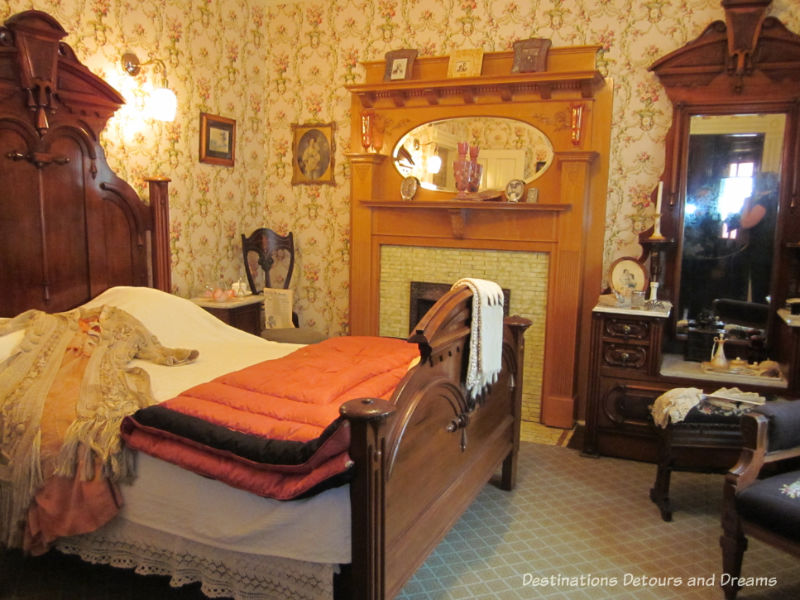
(762, 496)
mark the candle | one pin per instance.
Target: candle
(658, 198)
(657, 221)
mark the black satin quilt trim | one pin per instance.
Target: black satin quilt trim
(251, 447)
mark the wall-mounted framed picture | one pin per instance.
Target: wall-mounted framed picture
(217, 140)
(399, 64)
(465, 63)
(313, 150)
(530, 55)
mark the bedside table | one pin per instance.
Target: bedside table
(243, 313)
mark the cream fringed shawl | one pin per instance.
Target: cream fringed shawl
(106, 339)
(486, 334)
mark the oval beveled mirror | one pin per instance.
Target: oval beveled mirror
(509, 149)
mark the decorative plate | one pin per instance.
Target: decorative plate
(409, 187)
(515, 190)
(627, 275)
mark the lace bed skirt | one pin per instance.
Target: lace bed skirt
(221, 573)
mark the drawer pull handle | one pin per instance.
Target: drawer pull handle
(625, 356)
(626, 329)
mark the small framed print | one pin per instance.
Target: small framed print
(465, 63)
(217, 140)
(399, 64)
(515, 189)
(409, 187)
(627, 275)
(530, 55)
(313, 152)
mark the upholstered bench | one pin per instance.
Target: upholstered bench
(708, 440)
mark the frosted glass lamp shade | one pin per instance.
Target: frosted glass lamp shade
(163, 104)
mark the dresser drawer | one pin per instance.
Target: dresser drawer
(621, 328)
(624, 356)
(626, 404)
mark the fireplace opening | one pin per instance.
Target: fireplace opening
(425, 294)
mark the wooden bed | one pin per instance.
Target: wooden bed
(70, 229)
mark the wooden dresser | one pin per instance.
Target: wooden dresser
(628, 370)
(623, 371)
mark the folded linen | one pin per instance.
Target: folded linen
(486, 334)
(673, 405)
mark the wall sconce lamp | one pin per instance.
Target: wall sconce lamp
(162, 102)
(433, 163)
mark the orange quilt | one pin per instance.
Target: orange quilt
(274, 428)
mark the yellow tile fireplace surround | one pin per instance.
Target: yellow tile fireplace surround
(562, 233)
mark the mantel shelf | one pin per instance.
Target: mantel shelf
(454, 203)
(459, 211)
(469, 89)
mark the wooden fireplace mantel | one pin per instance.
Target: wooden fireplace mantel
(567, 223)
(464, 212)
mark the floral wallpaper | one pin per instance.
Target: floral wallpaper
(269, 64)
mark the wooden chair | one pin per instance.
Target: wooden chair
(761, 497)
(260, 249)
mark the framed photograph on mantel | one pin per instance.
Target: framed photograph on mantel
(217, 140)
(530, 55)
(313, 149)
(465, 63)
(399, 64)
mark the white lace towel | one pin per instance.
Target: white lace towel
(486, 335)
(672, 405)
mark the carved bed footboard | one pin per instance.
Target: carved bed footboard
(422, 458)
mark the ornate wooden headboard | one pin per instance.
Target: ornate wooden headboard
(69, 227)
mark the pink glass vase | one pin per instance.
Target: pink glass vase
(462, 169)
(476, 172)
(367, 117)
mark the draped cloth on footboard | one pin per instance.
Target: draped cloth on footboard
(274, 428)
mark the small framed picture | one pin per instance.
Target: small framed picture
(465, 63)
(627, 275)
(409, 187)
(313, 150)
(399, 64)
(217, 140)
(515, 189)
(530, 55)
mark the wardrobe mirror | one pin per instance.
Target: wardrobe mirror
(730, 211)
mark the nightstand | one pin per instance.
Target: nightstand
(243, 313)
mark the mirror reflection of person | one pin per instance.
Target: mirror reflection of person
(759, 215)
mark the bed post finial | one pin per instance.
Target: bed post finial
(37, 36)
(159, 208)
